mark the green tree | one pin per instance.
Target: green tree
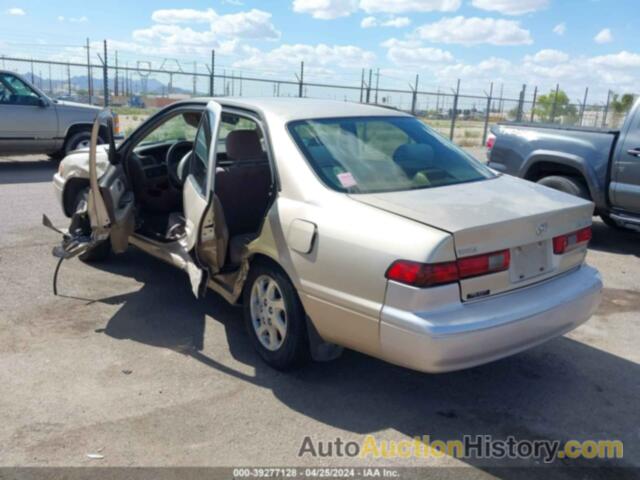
(622, 104)
(563, 111)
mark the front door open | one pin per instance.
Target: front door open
(106, 212)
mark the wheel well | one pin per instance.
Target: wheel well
(84, 127)
(540, 170)
(71, 190)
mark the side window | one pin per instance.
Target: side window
(178, 128)
(14, 91)
(199, 165)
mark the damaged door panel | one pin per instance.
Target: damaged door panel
(107, 211)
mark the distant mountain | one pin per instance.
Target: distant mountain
(80, 83)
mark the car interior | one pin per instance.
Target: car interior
(158, 165)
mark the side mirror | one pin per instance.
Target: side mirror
(42, 103)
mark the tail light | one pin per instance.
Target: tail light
(491, 141)
(430, 274)
(571, 241)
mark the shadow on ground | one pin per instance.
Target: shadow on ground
(613, 240)
(27, 171)
(560, 391)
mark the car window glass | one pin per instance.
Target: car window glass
(199, 165)
(382, 154)
(231, 122)
(16, 92)
(175, 129)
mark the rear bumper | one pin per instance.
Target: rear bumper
(464, 335)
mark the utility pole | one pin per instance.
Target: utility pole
(533, 104)
(105, 74)
(555, 103)
(606, 109)
(584, 105)
(487, 116)
(50, 81)
(212, 72)
(195, 78)
(369, 86)
(377, 84)
(69, 78)
(301, 80)
(455, 111)
(89, 81)
(32, 76)
(362, 86)
(414, 99)
(116, 91)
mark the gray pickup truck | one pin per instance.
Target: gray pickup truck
(32, 123)
(598, 164)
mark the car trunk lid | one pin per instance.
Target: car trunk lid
(504, 213)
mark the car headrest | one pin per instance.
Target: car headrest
(413, 157)
(244, 145)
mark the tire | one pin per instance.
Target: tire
(283, 347)
(56, 157)
(101, 251)
(79, 140)
(569, 185)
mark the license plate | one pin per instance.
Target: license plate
(531, 260)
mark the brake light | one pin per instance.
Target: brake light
(571, 241)
(422, 274)
(491, 141)
(428, 275)
(483, 264)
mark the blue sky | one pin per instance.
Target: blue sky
(538, 42)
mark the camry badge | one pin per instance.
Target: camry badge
(542, 228)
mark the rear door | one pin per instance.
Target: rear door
(205, 238)
(625, 185)
(108, 210)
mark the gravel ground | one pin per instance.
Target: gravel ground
(127, 365)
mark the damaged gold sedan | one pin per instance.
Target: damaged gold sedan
(337, 225)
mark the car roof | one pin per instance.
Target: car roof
(288, 109)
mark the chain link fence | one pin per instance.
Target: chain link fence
(136, 88)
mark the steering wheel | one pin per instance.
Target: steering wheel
(175, 154)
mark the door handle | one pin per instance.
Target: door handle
(634, 152)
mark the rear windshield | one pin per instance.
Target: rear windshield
(383, 154)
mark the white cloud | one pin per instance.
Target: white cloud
(402, 6)
(547, 56)
(318, 58)
(560, 29)
(252, 24)
(619, 60)
(605, 36)
(326, 9)
(169, 34)
(330, 9)
(82, 19)
(395, 22)
(511, 7)
(176, 16)
(369, 22)
(418, 57)
(16, 12)
(473, 31)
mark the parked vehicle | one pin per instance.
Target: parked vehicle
(338, 225)
(32, 123)
(595, 164)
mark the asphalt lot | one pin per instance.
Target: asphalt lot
(126, 364)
